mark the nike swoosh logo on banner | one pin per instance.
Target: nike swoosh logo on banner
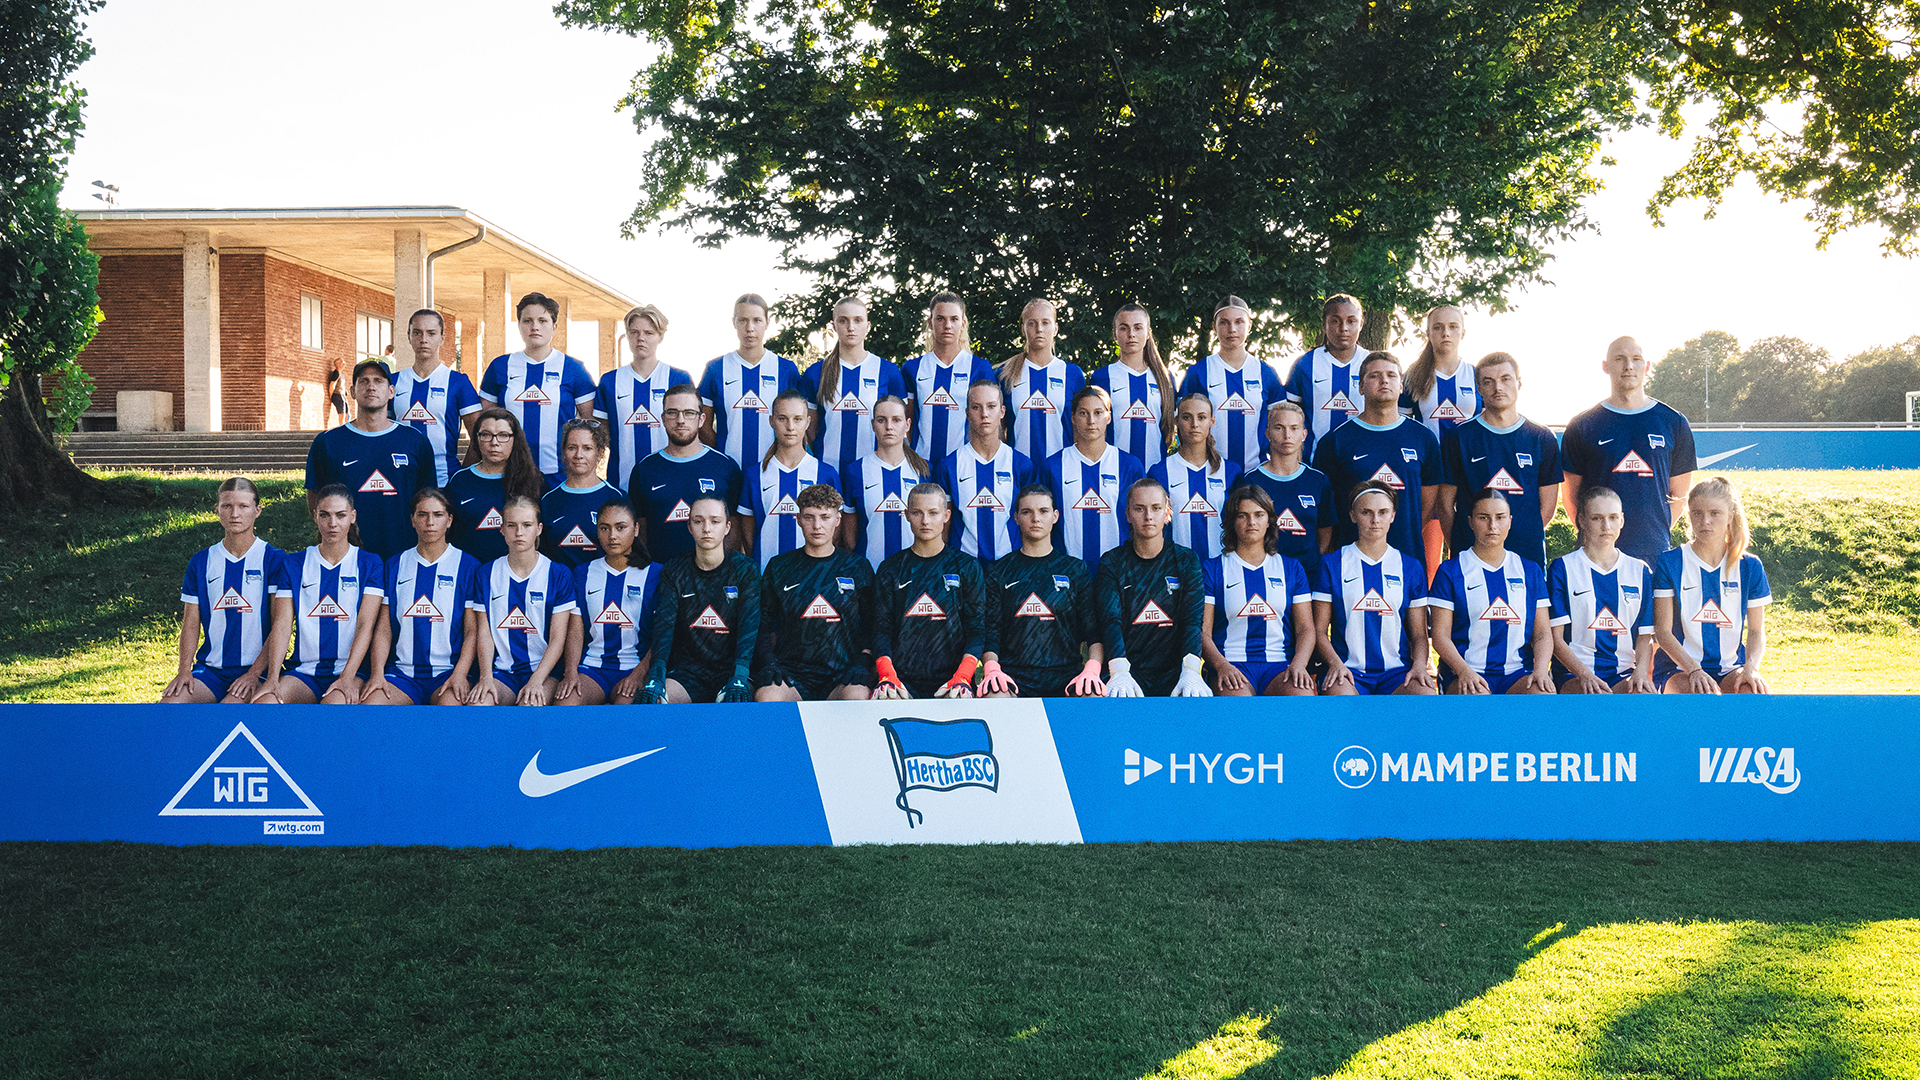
(535, 784)
(1702, 463)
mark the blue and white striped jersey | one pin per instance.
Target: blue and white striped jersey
(1253, 606)
(771, 498)
(1197, 497)
(1092, 498)
(616, 610)
(938, 394)
(846, 422)
(433, 405)
(983, 491)
(1328, 390)
(1493, 609)
(1603, 612)
(326, 606)
(1037, 407)
(233, 597)
(519, 611)
(741, 397)
(630, 403)
(543, 394)
(1370, 601)
(1137, 410)
(570, 523)
(877, 492)
(1710, 608)
(1240, 398)
(1452, 401)
(427, 604)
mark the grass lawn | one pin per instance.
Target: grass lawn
(89, 598)
(1370, 959)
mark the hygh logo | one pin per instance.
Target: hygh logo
(1238, 768)
(1770, 768)
(1354, 766)
(940, 755)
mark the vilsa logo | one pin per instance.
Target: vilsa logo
(940, 755)
(1770, 768)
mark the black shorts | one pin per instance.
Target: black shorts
(701, 686)
(1050, 682)
(1156, 683)
(921, 688)
(812, 683)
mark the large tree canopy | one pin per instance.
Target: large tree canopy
(1104, 151)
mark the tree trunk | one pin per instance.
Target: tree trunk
(1376, 332)
(33, 468)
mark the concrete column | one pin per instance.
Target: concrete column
(609, 346)
(560, 323)
(200, 291)
(409, 280)
(496, 336)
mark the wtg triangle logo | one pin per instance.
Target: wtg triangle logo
(241, 782)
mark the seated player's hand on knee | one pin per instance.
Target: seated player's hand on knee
(1228, 677)
(995, 681)
(961, 684)
(1087, 683)
(888, 686)
(1192, 683)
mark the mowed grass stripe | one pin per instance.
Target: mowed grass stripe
(1365, 959)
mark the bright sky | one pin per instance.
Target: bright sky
(493, 106)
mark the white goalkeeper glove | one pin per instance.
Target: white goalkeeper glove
(1120, 681)
(1191, 684)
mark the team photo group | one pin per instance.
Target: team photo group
(949, 527)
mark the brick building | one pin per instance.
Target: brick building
(240, 315)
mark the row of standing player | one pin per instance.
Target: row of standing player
(434, 624)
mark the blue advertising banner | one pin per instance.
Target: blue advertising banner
(1788, 768)
(1807, 448)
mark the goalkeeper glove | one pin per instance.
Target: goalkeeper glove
(1120, 680)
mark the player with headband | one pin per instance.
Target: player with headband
(614, 596)
(529, 604)
(706, 623)
(541, 386)
(1640, 447)
(1489, 609)
(1325, 380)
(571, 510)
(1039, 385)
(1369, 606)
(1710, 598)
(982, 476)
(1089, 478)
(336, 588)
(1196, 477)
(236, 593)
(937, 380)
(1257, 629)
(876, 486)
(1602, 606)
(423, 647)
(1381, 445)
(1238, 384)
(843, 388)
(1503, 450)
(630, 397)
(816, 614)
(769, 506)
(1301, 495)
(1151, 594)
(928, 609)
(1139, 390)
(432, 398)
(1041, 613)
(737, 390)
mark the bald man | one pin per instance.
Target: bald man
(1639, 447)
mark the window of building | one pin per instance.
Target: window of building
(309, 321)
(372, 336)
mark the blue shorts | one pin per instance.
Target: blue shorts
(517, 681)
(1661, 675)
(217, 679)
(1259, 673)
(319, 688)
(419, 690)
(1561, 677)
(604, 678)
(1385, 682)
(1496, 684)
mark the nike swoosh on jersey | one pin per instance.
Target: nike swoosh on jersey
(688, 595)
(655, 487)
(904, 585)
(1482, 458)
(1603, 442)
(355, 461)
(1357, 457)
(536, 784)
(789, 588)
(1008, 585)
(1581, 592)
(463, 502)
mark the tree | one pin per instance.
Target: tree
(1694, 376)
(1778, 380)
(1873, 385)
(1101, 152)
(48, 308)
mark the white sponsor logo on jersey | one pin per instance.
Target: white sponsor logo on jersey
(711, 620)
(1091, 500)
(327, 608)
(1712, 614)
(1605, 621)
(1038, 402)
(516, 620)
(850, 403)
(892, 504)
(1257, 607)
(1152, 615)
(1290, 524)
(1500, 611)
(423, 609)
(612, 615)
(419, 412)
(985, 499)
(941, 398)
(1448, 411)
(379, 483)
(493, 520)
(786, 505)
(1374, 602)
(820, 609)
(1137, 411)
(1387, 476)
(1199, 505)
(680, 511)
(231, 600)
(1634, 463)
(926, 607)
(1504, 481)
(577, 538)
(532, 395)
(1035, 607)
(1340, 402)
(641, 416)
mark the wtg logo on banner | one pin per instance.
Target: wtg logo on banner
(1357, 766)
(1238, 768)
(1770, 768)
(241, 782)
(940, 755)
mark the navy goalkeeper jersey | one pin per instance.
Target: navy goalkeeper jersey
(1040, 611)
(928, 613)
(707, 621)
(1150, 608)
(816, 614)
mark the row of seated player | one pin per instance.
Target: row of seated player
(434, 624)
(856, 420)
